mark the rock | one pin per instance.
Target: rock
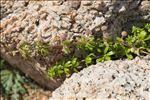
(94, 12)
(65, 25)
(100, 6)
(57, 3)
(104, 28)
(75, 4)
(145, 2)
(122, 9)
(120, 79)
(37, 7)
(97, 22)
(86, 3)
(145, 5)
(46, 21)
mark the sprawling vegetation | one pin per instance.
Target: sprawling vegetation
(84, 51)
(12, 82)
(78, 53)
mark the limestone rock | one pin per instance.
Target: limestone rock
(120, 79)
(54, 21)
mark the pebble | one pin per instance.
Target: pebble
(104, 28)
(122, 9)
(97, 22)
(86, 3)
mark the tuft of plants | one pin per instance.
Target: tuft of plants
(39, 47)
(11, 82)
(24, 50)
(42, 48)
(84, 51)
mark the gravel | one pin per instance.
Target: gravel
(120, 79)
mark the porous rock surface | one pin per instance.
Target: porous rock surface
(111, 80)
(55, 21)
(31, 20)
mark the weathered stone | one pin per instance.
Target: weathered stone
(104, 28)
(45, 21)
(86, 3)
(120, 79)
(97, 22)
(145, 5)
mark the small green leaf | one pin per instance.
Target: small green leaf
(147, 26)
(66, 70)
(66, 42)
(68, 64)
(99, 50)
(106, 50)
(99, 60)
(60, 72)
(142, 34)
(66, 50)
(75, 70)
(89, 46)
(74, 61)
(88, 60)
(107, 58)
(110, 53)
(129, 56)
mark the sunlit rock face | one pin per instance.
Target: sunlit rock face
(44, 20)
(128, 79)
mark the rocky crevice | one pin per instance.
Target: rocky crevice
(54, 21)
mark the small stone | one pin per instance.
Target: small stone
(145, 7)
(43, 16)
(145, 2)
(86, 3)
(57, 3)
(94, 12)
(97, 29)
(122, 9)
(65, 25)
(104, 28)
(88, 32)
(37, 7)
(124, 33)
(99, 20)
(75, 4)
(100, 7)
(108, 14)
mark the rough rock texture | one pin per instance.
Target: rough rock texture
(54, 21)
(44, 20)
(119, 80)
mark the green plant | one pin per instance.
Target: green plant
(42, 48)
(64, 68)
(90, 50)
(65, 44)
(11, 82)
(24, 50)
(139, 42)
